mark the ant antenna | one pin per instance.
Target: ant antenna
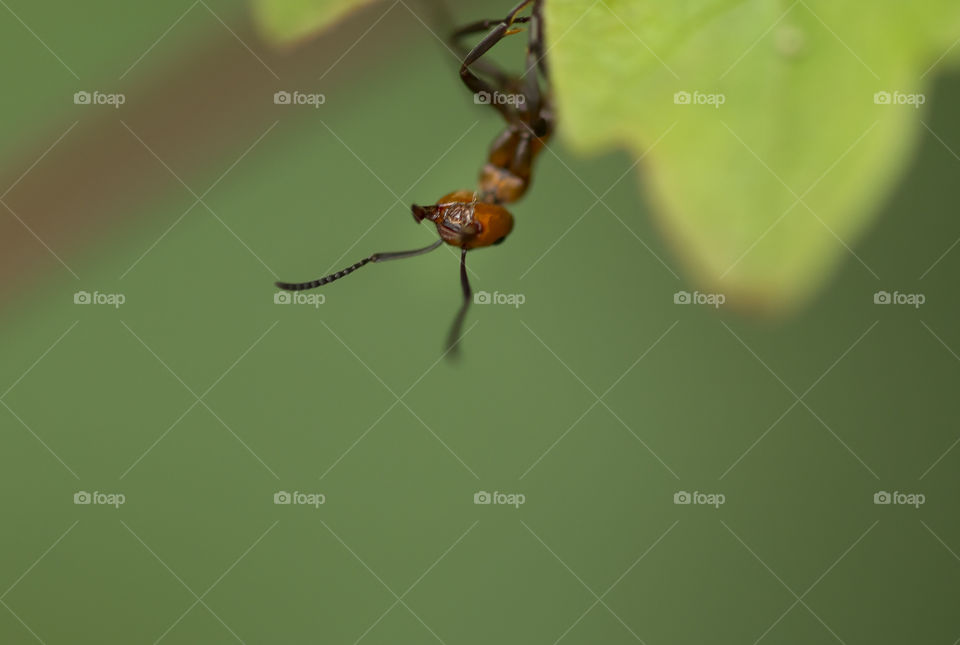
(376, 257)
(453, 339)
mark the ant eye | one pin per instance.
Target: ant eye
(500, 241)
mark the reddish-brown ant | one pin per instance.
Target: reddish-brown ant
(473, 219)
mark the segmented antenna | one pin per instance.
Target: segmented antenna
(376, 257)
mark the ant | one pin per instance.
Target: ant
(475, 219)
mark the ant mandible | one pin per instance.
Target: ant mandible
(474, 219)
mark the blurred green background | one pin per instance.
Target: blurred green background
(598, 399)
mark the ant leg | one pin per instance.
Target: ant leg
(453, 339)
(536, 64)
(512, 16)
(486, 67)
(474, 83)
(500, 29)
(531, 82)
(537, 39)
(538, 113)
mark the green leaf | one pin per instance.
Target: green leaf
(799, 122)
(286, 21)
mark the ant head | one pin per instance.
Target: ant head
(464, 222)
